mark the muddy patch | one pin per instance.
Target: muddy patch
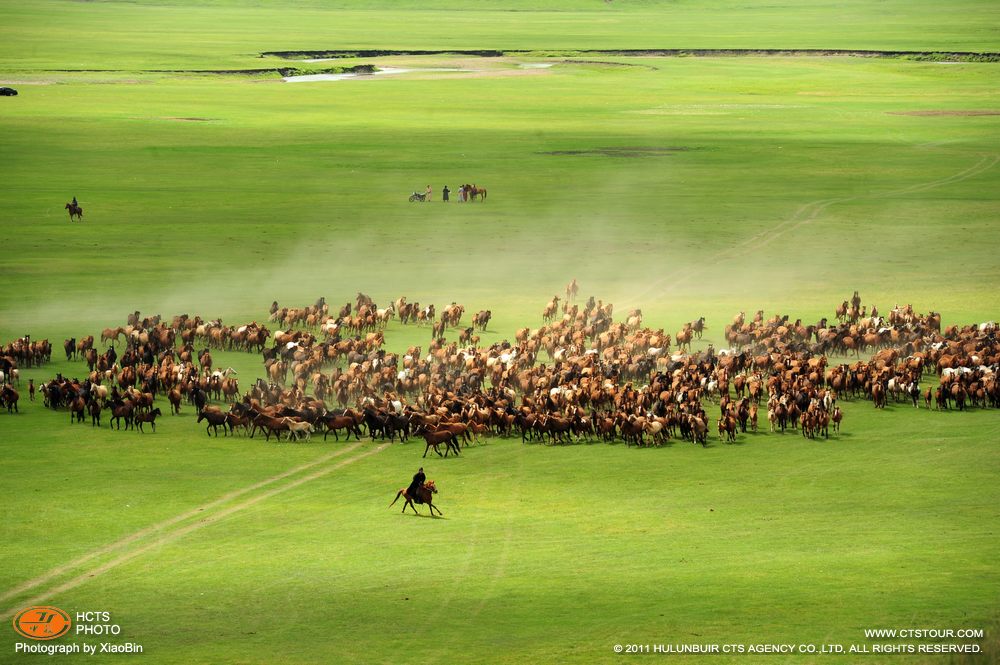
(192, 119)
(367, 73)
(453, 68)
(933, 56)
(622, 151)
(933, 113)
(318, 56)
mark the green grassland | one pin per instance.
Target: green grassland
(315, 179)
(685, 186)
(230, 33)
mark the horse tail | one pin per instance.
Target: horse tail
(398, 494)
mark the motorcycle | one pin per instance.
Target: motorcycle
(417, 196)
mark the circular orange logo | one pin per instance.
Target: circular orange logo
(42, 623)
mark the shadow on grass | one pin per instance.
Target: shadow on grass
(426, 517)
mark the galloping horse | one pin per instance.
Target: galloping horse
(571, 290)
(425, 494)
(74, 211)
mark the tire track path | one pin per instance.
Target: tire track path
(174, 534)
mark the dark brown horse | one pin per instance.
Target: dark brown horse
(215, 417)
(425, 493)
(334, 423)
(9, 398)
(121, 412)
(149, 417)
(74, 211)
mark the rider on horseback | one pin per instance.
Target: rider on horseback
(413, 491)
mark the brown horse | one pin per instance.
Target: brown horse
(425, 495)
(149, 417)
(435, 439)
(571, 290)
(74, 211)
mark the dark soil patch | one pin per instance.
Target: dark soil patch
(193, 119)
(943, 112)
(622, 151)
(934, 56)
(375, 53)
(281, 71)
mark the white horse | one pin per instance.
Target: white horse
(295, 428)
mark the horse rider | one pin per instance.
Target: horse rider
(418, 481)
(75, 204)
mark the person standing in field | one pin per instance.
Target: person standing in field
(444, 193)
(427, 194)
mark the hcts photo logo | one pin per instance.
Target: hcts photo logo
(42, 623)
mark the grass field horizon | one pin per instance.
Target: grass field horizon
(684, 186)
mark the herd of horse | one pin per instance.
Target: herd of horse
(582, 376)
(605, 379)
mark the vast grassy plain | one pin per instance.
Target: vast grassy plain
(685, 186)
